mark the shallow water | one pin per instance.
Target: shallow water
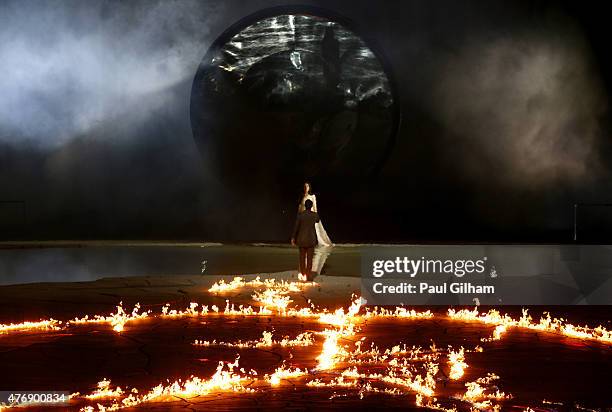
(86, 262)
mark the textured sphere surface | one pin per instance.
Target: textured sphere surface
(292, 96)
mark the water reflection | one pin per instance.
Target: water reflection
(320, 257)
(88, 263)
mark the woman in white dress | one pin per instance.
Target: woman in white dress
(322, 236)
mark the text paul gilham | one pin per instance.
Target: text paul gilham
(423, 287)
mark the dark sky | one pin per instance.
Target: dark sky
(505, 124)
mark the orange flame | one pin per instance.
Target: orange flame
(404, 368)
(546, 324)
(116, 320)
(46, 324)
(456, 360)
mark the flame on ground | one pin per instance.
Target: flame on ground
(332, 352)
(482, 392)
(456, 360)
(104, 391)
(399, 369)
(224, 379)
(284, 373)
(116, 320)
(546, 324)
(266, 341)
(45, 324)
(239, 283)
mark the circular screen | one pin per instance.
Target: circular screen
(290, 94)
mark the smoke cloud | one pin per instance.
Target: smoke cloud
(526, 108)
(67, 67)
(502, 112)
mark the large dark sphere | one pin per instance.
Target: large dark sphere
(286, 96)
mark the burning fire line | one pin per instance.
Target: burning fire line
(104, 391)
(266, 341)
(332, 354)
(374, 354)
(481, 400)
(546, 324)
(502, 322)
(352, 379)
(284, 372)
(224, 379)
(407, 370)
(432, 403)
(398, 312)
(46, 325)
(239, 283)
(116, 320)
(273, 301)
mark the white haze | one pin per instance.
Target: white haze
(523, 108)
(67, 67)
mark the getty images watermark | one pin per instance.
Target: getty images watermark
(428, 275)
(486, 275)
(415, 267)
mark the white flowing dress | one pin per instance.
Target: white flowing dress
(322, 237)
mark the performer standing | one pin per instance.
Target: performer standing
(322, 237)
(305, 237)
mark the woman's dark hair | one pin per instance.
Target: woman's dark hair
(309, 187)
(302, 191)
